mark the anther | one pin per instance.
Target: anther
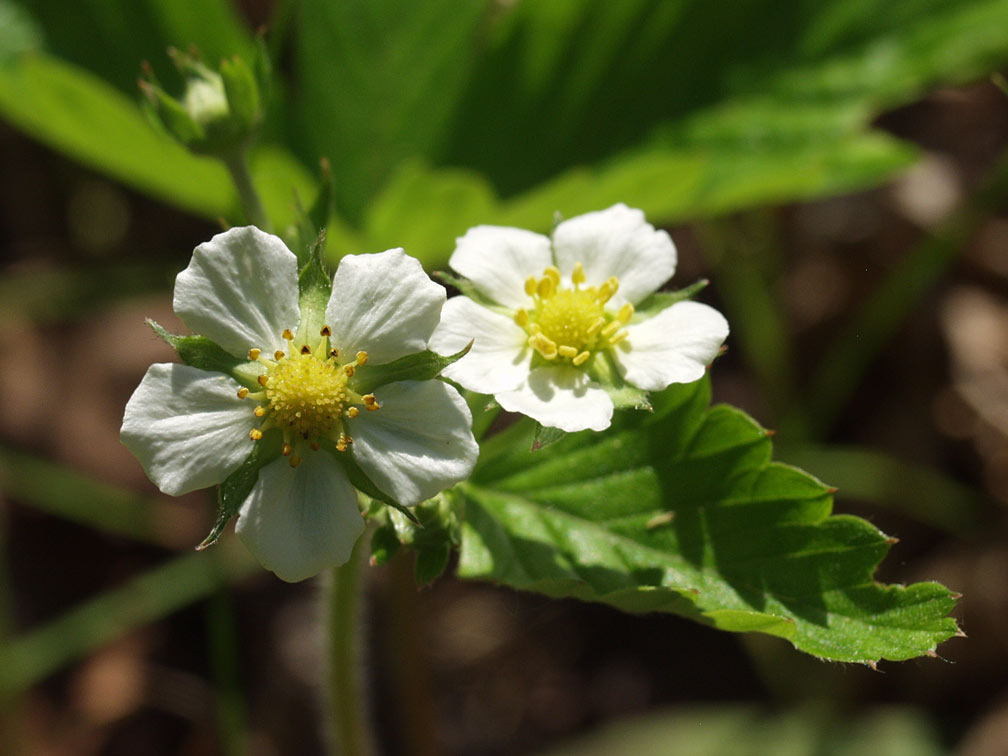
(594, 327)
(305, 349)
(361, 358)
(578, 274)
(260, 411)
(326, 331)
(370, 403)
(581, 358)
(521, 318)
(278, 355)
(567, 351)
(295, 461)
(334, 353)
(553, 274)
(349, 370)
(263, 380)
(287, 335)
(255, 434)
(341, 443)
(242, 392)
(625, 313)
(353, 412)
(545, 287)
(618, 338)
(287, 449)
(610, 329)
(530, 286)
(253, 354)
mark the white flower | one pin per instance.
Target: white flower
(192, 428)
(556, 317)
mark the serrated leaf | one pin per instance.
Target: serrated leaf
(198, 351)
(422, 366)
(546, 436)
(683, 511)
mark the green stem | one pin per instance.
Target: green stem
(351, 732)
(252, 206)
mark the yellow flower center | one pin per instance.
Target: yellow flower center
(571, 323)
(306, 394)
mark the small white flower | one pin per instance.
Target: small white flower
(557, 315)
(192, 428)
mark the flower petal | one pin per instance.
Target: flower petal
(383, 304)
(187, 427)
(500, 355)
(675, 346)
(498, 259)
(616, 242)
(298, 521)
(560, 397)
(418, 443)
(240, 290)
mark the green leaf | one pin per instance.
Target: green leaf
(384, 545)
(655, 303)
(198, 351)
(431, 564)
(422, 366)
(546, 436)
(237, 486)
(683, 511)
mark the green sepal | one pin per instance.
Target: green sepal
(242, 94)
(422, 366)
(314, 290)
(169, 116)
(546, 436)
(623, 395)
(198, 351)
(360, 480)
(431, 563)
(655, 303)
(237, 486)
(467, 288)
(384, 544)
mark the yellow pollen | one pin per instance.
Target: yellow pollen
(253, 354)
(349, 370)
(278, 355)
(243, 392)
(255, 434)
(361, 358)
(569, 321)
(326, 331)
(288, 335)
(260, 411)
(353, 412)
(263, 380)
(306, 396)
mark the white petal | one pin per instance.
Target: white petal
(675, 346)
(498, 259)
(560, 397)
(418, 443)
(616, 242)
(500, 355)
(383, 304)
(240, 290)
(299, 521)
(187, 427)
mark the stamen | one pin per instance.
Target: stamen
(545, 287)
(353, 412)
(253, 354)
(581, 358)
(521, 317)
(295, 461)
(370, 403)
(610, 329)
(242, 392)
(263, 380)
(305, 349)
(553, 273)
(287, 449)
(349, 369)
(278, 355)
(255, 434)
(567, 351)
(625, 313)
(361, 358)
(530, 286)
(260, 411)
(326, 331)
(618, 337)
(595, 326)
(287, 335)
(578, 274)
(334, 353)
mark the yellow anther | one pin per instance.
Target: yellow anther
(521, 317)
(278, 355)
(370, 403)
(553, 274)
(295, 461)
(349, 370)
(625, 313)
(530, 285)
(255, 434)
(545, 287)
(353, 412)
(341, 444)
(618, 338)
(578, 274)
(334, 353)
(326, 331)
(567, 351)
(242, 392)
(253, 354)
(361, 358)
(595, 326)
(259, 411)
(287, 449)
(263, 380)
(305, 349)
(544, 345)
(610, 329)
(581, 358)
(287, 334)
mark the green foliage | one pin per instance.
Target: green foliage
(684, 511)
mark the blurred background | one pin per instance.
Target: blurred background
(837, 169)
